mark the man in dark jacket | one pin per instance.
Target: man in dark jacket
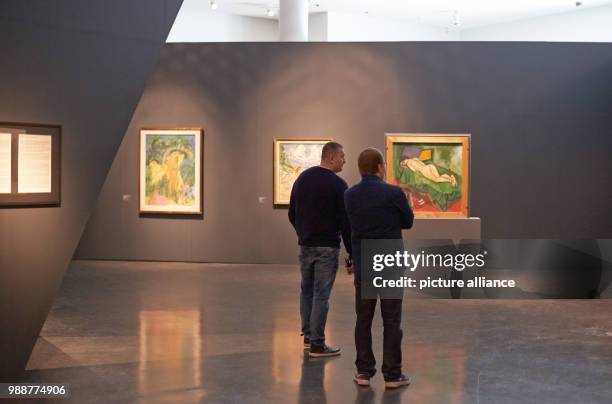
(376, 210)
(316, 211)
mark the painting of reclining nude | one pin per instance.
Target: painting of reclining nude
(433, 172)
(171, 171)
(291, 158)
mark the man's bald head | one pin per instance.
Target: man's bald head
(370, 162)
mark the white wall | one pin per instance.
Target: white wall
(317, 27)
(197, 23)
(205, 25)
(588, 25)
(360, 27)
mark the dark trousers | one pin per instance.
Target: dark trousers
(391, 310)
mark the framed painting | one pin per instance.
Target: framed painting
(433, 170)
(30, 164)
(171, 178)
(291, 157)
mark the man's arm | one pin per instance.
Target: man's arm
(292, 206)
(345, 226)
(349, 260)
(406, 214)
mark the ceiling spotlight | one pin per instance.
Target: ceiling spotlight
(578, 3)
(214, 5)
(270, 12)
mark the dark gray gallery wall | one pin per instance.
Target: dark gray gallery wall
(82, 65)
(539, 115)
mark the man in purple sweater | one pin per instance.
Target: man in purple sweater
(316, 211)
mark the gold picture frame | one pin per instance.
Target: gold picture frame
(291, 157)
(433, 170)
(171, 177)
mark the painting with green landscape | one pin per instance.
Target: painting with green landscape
(432, 170)
(291, 158)
(170, 171)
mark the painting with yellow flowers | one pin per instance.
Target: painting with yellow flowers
(171, 171)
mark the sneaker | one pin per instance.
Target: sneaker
(306, 343)
(362, 379)
(399, 382)
(317, 351)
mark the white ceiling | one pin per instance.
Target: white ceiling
(442, 13)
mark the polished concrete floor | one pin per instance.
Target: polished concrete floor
(189, 333)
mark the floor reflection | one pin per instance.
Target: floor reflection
(365, 395)
(170, 350)
(441, 372)
(313, 381)
(285, 349)
(230, 334)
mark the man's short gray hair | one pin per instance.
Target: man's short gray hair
(329, 149)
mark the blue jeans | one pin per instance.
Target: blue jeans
(318, 266)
